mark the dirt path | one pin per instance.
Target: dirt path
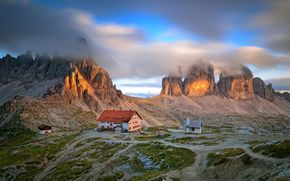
(193, 172)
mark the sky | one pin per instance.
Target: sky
(140, 41)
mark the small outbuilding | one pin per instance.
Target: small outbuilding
(120, 120)
(44, 129)
(192, 126)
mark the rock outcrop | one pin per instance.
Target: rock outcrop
(285, 95)
(199, 80)
(58, 91)
(70, 79)
(171, 86)
(22, 114)
(263, 90)
(237, 85)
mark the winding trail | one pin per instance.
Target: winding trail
(193, 172)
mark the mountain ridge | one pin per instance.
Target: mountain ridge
(68, 94)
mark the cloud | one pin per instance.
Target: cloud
(123, 49)
(140, 84)
(142, 59)
(274, 26)
(25, 26)
(208, 18)
(280, 84)
(142, 95)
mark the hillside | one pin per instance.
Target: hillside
(69, 93)
(63, 92)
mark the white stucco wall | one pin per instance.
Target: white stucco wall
(135, 123)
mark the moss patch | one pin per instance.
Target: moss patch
(279, 149)
(112, 177)
(202, 140)
(69, 170)
(104, 151)
(25, 151)
(224, 156)
(152, 137)
(166, 157)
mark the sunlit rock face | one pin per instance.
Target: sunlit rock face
(74, 80)
(238, 85)
(171, 86)
(199, 80)
(98, 78)
(263, 90)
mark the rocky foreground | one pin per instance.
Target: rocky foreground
(224, 152)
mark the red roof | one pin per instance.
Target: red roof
(117, 116)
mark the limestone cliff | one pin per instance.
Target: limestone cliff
(199, 80)
(238, 85)
(171, 86)
(62, 92)
(263, 90)
(72, 80)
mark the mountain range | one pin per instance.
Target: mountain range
(69, 94)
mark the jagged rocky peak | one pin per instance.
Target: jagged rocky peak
(44, 76)
(263, 90)
(172, 86)
(237, 83)
(98, 78)
(199, 80)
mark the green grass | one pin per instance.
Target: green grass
(194, 141)
(216, 159)
(211, 129)
(167, 157)
(148, 175)
(255, 143)
(224, 156)
(30, 153)
(30, 173)
(232, 152)
(19, 139)
(151, 137)
(208, 143)
(88, 140)
(277, 150)
(157, 129)
(69, 170)
(9, 158)
(187, 140)
(104, 151)
(246, 159)
(122, 159)
(112, 177)
(136, 165)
